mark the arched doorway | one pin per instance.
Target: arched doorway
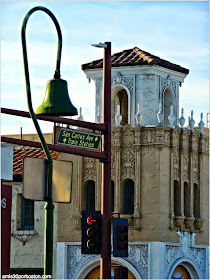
(180, 272)
(167, 102)
(90, 270)
(120, 96)
(95, 273)
(184, 269)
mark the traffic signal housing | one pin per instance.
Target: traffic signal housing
(91, 232)
(120, 237)
(121, 272)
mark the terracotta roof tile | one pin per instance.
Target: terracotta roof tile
(135, 57)
(20, 152)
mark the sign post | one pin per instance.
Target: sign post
(6, 203)
(105, 267)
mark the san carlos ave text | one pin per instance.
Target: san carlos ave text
(79, 139)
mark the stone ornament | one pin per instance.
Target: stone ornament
(118, 118)
(198, 223)
(99, 116)
(138, 116)
(201, 125)
(128, 81)
(160, 115)
(168, 82)
(171, 118)
(80, 118)
(191, 122)
(182, 119)
(186, 249)
(89, 169)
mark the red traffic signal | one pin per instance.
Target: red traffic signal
(91, 220)
(91, 232)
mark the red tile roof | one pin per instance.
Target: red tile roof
(134, 57)
(20, 152)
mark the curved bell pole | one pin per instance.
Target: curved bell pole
(49, 206)
(56, 101)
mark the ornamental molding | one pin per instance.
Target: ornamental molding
(89, 169)
(168, 82)
(128, 81)
(185, 250)
(176, 158)
(176, 174)
(76, 260)
(128, 163)
(113, 165)
(138, 258)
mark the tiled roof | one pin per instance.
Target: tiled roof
(135, 57)
(20, 152)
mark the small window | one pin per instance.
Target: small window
(90, 196)
(27, 214)
(129, 197)
(196, 201)
(177, 198)
(186, 200)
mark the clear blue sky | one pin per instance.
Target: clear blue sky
(177, 31)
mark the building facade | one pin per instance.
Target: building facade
(160, 180)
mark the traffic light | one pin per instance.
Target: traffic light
(121, 272)
(91, 232)
(120, 237)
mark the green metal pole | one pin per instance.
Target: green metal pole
(49, 206)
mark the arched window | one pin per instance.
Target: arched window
(122, 100)
(129, 197)
(186, 200)
(90, 196)
(177, 198)
(196, 201)
(112, 193)
(120, 96)
(167, 102)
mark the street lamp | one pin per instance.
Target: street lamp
(56, 103)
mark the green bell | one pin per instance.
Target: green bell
(56, 101)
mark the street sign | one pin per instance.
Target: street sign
(6, 163)
(78, 139)
(35, 179)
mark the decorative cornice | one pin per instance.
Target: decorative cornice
(128, 81)
(168, 82)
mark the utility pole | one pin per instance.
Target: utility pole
(105, 265)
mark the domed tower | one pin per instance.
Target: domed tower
(139, 79)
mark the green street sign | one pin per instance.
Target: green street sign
(79, 139)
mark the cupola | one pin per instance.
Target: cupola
(141, 83)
